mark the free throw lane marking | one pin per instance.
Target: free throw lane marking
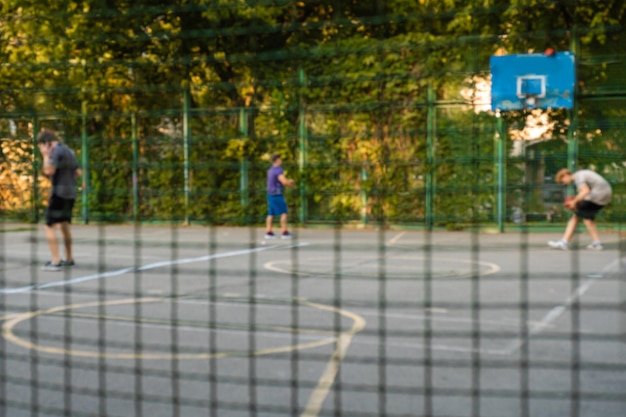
(320, 392)
(556, 312)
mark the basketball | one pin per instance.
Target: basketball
(569, 202)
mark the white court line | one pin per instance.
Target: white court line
(557, 311)
(45, 252)
(395, 239)
(439, 317)
(140, 268)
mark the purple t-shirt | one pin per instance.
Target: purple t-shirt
(274, 186)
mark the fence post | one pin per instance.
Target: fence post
(500, 173)
(35, 189)
(363, 195)
(186, 146)
(622, 289)
(243, 165)
(430, 156)
(302, 137)
(85, 162)
(133, 126)
(572, 115)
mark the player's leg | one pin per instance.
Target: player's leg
(593, 229)
(68, 206)
(67, 241)
(281, 207)
(53, 243)
(269, 220)
(283, 223)
(53, 216)
(588, 210)
(570, 229)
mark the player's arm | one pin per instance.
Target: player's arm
(48, 168)
(286, 181)
(78, 172)
(583, 191)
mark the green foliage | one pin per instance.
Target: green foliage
(339, 88)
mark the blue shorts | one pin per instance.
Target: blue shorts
(276, 205)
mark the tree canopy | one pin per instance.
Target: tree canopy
(345, 81)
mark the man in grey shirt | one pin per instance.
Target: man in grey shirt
(593, 193)
(61, 166)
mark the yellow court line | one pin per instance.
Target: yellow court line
(538, 324)
(8, 316)
(436, 310)
(320, 392)
(491, 268)
(9, 335)
(129, 319)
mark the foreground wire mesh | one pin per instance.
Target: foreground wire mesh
(418, 281)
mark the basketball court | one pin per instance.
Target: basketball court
(194, 321)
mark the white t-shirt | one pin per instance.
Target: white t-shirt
(601, 191)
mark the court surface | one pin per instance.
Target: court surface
(198, 321)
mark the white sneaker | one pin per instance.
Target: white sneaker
(286, 235)
(51, 266)
(558, 244)
(270, 235)
(595, 246)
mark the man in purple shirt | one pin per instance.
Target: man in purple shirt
(277, 206)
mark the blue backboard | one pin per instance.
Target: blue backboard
(532, 81)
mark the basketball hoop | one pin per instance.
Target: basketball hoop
(531, 88)
(533, 81)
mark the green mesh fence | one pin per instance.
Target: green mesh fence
(417, 280)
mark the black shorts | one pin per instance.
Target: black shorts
(59, 210)
(588, 210)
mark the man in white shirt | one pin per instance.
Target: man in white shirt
(593, 193)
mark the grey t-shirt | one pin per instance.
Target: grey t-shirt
(601, 191)
(64, 179)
